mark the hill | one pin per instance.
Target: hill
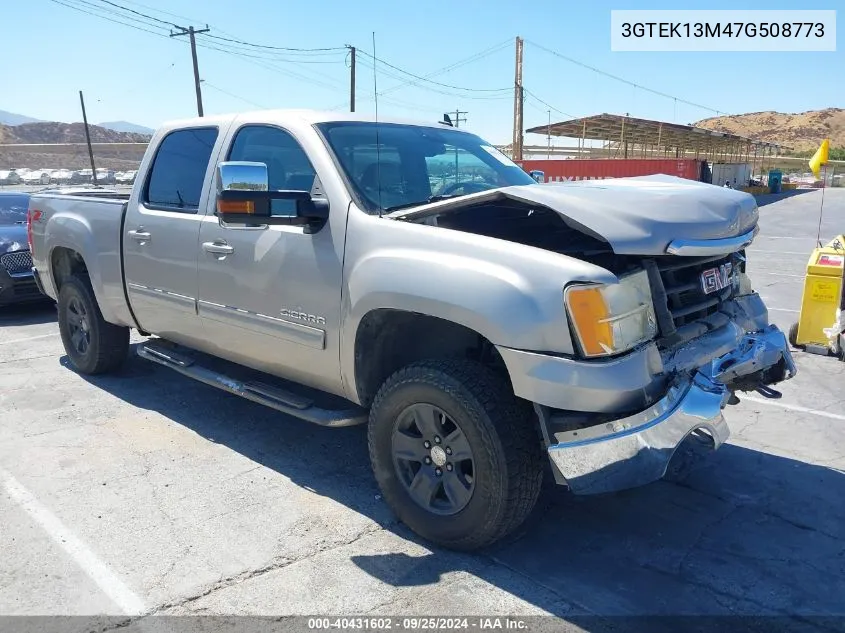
(801, 131)
(10, 118)
(53, 132)
(126, 126)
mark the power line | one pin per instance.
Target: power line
(256, 60)
(173, 15)
(102, 17)
(431, 81)
(152, 23)
(248, 46)
(233, 95)
(463, 62)
(485, 97)
(548, 105)
(143, 15)
(276, 48)
(269, 56)
(622, 79)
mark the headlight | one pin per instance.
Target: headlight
(612, 318)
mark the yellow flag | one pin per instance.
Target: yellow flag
(820, 157)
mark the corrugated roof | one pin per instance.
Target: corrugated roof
(615, 128)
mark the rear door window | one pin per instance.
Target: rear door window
(178, 170)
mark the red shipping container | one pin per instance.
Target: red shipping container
(599, 169)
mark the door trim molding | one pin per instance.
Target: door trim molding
(160, 293)
(263, 324)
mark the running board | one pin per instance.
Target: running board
(162, 352)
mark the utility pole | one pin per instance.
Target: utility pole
(457, 122)
(458, 118)
(351, 77)
(516, 147)
(88, 139)
(190, 32)
(549, 138)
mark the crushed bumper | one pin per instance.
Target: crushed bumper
(636, 450)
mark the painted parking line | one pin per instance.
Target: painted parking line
(29, 338)
(794, 407)
(761, 250)
(770, 272)
(94, 568)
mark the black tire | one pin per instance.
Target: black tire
(506, 465)
(792, 336)
(93, 345)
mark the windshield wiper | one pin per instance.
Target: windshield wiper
(420, 203)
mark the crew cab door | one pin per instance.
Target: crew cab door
(269, 296)
(161, 231)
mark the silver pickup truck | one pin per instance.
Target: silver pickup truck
(411, 277)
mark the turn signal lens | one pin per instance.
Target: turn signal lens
(612, 318)
(235, 206)
(589, 314)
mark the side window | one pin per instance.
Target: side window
(288, 166)
(178, 170)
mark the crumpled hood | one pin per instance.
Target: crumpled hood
(12, 238)
(636, 216)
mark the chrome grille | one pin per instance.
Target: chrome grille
(17, 262)
(685, 297)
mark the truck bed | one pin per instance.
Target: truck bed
(89, 223)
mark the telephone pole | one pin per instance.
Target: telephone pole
(457, 123)
(458, 118)
(88, 139)
(190, 32)
(352, 51)
(516, 147)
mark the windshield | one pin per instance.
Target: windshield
(13, 209)
(410, 165)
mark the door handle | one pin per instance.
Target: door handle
(218, 248)
(140, 234)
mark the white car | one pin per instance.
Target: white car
(37, 177)
(125, 177)
(61, 176)
(9, 177)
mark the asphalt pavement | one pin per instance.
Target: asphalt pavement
(147, 493)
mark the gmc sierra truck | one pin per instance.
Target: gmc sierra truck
(411, 277)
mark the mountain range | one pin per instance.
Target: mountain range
(800, 131)
(13, 119)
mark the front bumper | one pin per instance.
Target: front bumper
(636, 450)
(18, 288)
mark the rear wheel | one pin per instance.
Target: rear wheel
(93, 345)
(456, 455)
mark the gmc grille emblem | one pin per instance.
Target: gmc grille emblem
(715, 279)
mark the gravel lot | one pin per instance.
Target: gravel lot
(145, 492)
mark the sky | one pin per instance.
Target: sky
(52, 51)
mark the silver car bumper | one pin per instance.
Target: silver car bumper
(636, 450)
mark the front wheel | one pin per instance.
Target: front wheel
(455, 453)
(93, 345)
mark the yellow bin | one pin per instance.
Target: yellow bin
(822, 295)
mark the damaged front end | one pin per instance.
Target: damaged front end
(641, 377)
(636, 449)
(707, 354)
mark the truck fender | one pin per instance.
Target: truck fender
(105, 268)
(494, 300)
